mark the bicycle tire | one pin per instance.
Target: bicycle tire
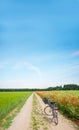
(48, 111)
(55, 118)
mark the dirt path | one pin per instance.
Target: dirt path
(32, 117)
(22, 120)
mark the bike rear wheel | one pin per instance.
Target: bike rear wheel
(48, 111)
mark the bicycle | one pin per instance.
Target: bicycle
(51, 109)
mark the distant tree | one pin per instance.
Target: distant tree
(71, 87)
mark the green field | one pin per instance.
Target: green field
(10, 104)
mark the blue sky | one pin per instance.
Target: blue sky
(39, 43)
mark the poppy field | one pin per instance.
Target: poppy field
(68, 102)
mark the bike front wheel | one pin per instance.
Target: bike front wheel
(48, 111)
(55, 118)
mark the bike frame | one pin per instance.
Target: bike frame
(51, 105)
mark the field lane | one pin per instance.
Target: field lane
(22, 120)
(32, 117)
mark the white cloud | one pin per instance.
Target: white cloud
(3, 64)
(16, 81)
(21, 65)
(13, 83)
(16, 66)
(74, 54)
(29, 66)
(34, 68)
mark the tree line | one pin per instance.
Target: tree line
(65, 87)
